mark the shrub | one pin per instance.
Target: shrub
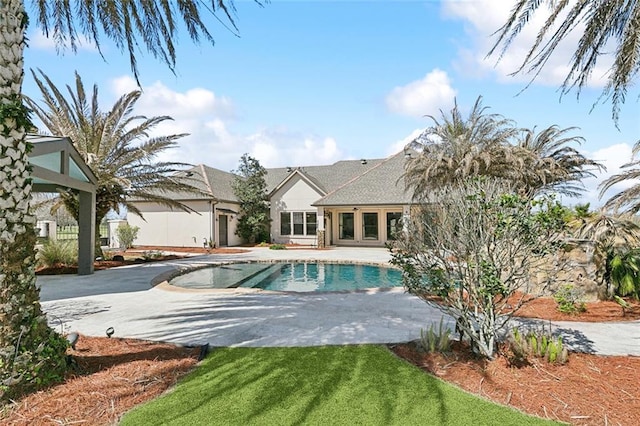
(29, 370)
(56, 252)
(570, 300)
(539, 343)
(151, 254)
(623, 271)
(277, 247)
(127, 234)
(435, 341)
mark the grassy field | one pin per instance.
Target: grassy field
(330, 385)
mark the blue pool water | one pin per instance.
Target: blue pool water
(292, 276)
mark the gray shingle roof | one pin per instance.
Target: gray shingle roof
(327, 178)
(381, 184)
(348, 182)
(220, 183)
(214, 182)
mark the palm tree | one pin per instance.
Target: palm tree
(116, 146)
(627, 200)
(615, 239)
(457, 147)
(556, 167)
(489, 145)
(31, 352)
(617, 20)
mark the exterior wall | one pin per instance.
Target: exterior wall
(232, 223)
(295, 196)
(359, 237)
(165, 227)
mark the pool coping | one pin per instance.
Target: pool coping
(161, 281)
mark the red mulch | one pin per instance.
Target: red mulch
(136, 256)
(599, 311)
(588, 390)
(111, 377)
(114, 375)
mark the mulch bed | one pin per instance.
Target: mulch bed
(599, 311)
(136, 256)
(111, 377)
(588, 390)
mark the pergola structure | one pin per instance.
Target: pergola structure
(57, 164)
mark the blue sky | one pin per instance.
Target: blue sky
(313, 82)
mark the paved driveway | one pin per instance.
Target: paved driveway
(123, 298)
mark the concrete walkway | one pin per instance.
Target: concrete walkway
(123, 298)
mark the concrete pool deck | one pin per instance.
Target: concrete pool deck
(125, 299)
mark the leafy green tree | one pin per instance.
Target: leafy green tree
(115, 144)
(611, 28)
(30, 352)
(480, 244)
(250, 187)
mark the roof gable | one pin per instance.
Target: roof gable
(303, 176)
(326, 178)
(381, 184)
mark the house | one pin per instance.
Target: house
(210, 220)
(353, 202)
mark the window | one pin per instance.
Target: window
(285, 223)
(346, 226)
(394, 226)
(298, 223)
(312, 223)
(369, 226)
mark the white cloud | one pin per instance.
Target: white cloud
(123, 85)
(399, 145)
(158, 99)
(39, 40)
(422, 97)
(482, 18)
(281, 147)
(612, 157)
(209, 119)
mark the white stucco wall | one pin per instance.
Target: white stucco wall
(165, 227)
(295, 196)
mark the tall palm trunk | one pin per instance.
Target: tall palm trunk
(28, 347)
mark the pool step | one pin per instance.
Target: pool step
(268, 273)
(253, 275)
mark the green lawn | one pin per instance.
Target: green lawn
(331, 385)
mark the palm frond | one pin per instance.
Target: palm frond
(129, 24)
(116, 145)
(616, 21)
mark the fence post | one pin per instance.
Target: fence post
(47, 229)
(113, 235)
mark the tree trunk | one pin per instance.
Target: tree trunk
(28, 347)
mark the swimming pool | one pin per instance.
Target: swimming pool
(291, 276)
